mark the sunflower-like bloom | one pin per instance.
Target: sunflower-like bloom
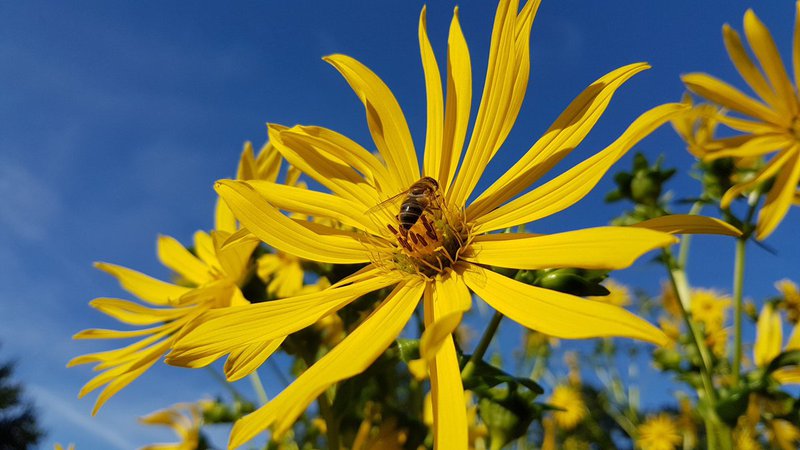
(439, 248)
(570, 400)
(770, 123)
(710, 308)
(791, 298)
(619, 294)
(208, 278)
(769, 344)
(659, 432)
(185, 419)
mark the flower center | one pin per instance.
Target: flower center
(795, 128)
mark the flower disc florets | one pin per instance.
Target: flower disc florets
(423, 235)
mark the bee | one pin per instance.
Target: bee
(421, 196)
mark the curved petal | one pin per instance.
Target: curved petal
(503, 92)
(233, 258)
(384, 117)
(146, 288)
(458, 103)
(592, 248)
(571, 186)
(433, 88)
(134, 313)
(224, 330)
(747, 146)
(283, 233)
(557, 314)
(769, 336)
(749, 72)
(773, 166)
(728, 96)
(564, 135)
(787, 375)
(175, 256)
(767, 54)
(350, 357)
(780, 198)
(315, 204)
(243, 361)
(689, 224)
(336, 162)
(446, 302)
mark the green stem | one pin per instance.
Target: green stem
(221, 380)
(738, 284)
(686, 239)
(255, 380)
(331, 426)
(483, 345)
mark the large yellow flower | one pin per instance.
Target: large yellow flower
(659, 432)
(770, 124)
(445, 252)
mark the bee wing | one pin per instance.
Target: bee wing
(390, 205)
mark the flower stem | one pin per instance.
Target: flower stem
(683, 248)
(738, 284)
(255, 380)
(483, 345)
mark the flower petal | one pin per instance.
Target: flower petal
(747, 146)
(773, 166)
(233, 258)
(689, 224)
(780, 197)
(449, 299)
(350, 357)
(384, 117)
(134, 313)
(796, 46)
(760, 40)
(728, 96)
(563, 136)
(175, 256)
(336, 162)
(243, 361)
(571, 186)
(433, 89)
(223, 330)
(503, 92)
(458, 103)
(146, 288)
(557, 314)
(749, 72)
(769, 336)
(283, 233)
(591, 248)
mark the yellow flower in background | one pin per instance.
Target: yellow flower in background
(569, 399)
(659, 432)
(769, 344)
(68, 447)
(710, 308)
(440, 248)
(619, 294)
(769, 123)
(791, 299)
(783, 434)
(185, 419)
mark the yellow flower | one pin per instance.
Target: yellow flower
(445, 252)
(769, 341)
(791, 298)
(208, 278)
(658, 432)
(60, 447)
(770, 123)
(710, 308)
(570, 400)
(619, 294)
(185, 419)
(784, 434)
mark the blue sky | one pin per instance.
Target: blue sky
(115, 119)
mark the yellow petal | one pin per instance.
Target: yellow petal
(146, 288)
(283, 233)
(448, 299)
(335, 161)
(175, 256)
(780, 197)
(433, 88)
(747, 146)
(97, 333)
(234, 257)
(118, 356)
(223, 330)
(689, 224)
(787, 375)
(591, 248)
(564, 135)
(223, 217)
(557, 314)
(794, 339)
(350, 357)
(571, 186)
(204, 249)
(767, 54)
(773, 166)
(386, 121)
(796, 46)
(503, 92)
(243, 361)
(315, 204)
(268, 163)
(134, 313)
(749, 72)
(769, 336)
(728, 96)
(458, 103)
